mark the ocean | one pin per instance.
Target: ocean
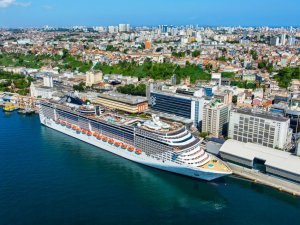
(48, 178)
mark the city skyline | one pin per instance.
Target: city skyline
(33, 13)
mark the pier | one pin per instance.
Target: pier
(265, 179)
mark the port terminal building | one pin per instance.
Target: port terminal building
(122, 102)
(280, 164)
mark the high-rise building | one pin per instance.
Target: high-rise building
(124, 27)
(185, 106)
(93, 78)
(291, 41)
(274, 41)
(48, 81)
(147, 44)
(215, 118)
(112, 29)
(163, 28)
(283, 39)
(264, 128)
(173, 80)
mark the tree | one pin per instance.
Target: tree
(203, 134)
(196, 53)
(80, 87)
(234, 99)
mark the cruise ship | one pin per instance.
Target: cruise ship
(164, 145)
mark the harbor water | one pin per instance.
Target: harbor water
(49, 178)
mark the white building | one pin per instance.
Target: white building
(215, 118)
(93, 78)
(260, 127)
(124, 27)
(41, 92)
(48, 81)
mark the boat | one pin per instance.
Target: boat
(9, 108)
(157, 143)
(26, 111)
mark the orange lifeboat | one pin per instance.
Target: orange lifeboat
(130, 148)
(95, 134)
(138, 151)
(84, 131)
(124, 146)
(89, 133)
(111, 141)
(104, 139)
(74, 127)
(118, 144)
(99, 137)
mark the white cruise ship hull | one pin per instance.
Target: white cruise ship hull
(142, 158)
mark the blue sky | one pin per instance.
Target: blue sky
(37, 13)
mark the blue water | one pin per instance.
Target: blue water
(49, 178)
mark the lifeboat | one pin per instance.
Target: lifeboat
(138, 151)
(74, 128)
(57, 121)
(84, 131)
(63, 124)
(78, 130)
(89, 133)
(99, 137)
(104, 139)
(118, 144)
(111, 141)
(95, 134)
(130, 148)
(124, 146)
(68, 125)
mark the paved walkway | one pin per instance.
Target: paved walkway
(266, 179)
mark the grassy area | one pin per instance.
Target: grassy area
(285, 76)
(131, 89)
(65, 62)
(157, 71)
(16, 83)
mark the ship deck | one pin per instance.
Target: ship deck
(216, 165)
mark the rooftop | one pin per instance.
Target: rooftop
(274, 158)
(261, 114)
(128, 99)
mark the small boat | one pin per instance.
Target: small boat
(26, 111)
(99, 137)
(104, 139)
(89, 133)
(9, 108)
(118, 144)
(130, 148)
(78, 130)
(124, 146)
(138, 151)
(111, 141)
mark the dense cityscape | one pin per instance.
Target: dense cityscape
(212, 103)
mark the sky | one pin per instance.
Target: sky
(65, 13)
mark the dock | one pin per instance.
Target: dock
(266, 179)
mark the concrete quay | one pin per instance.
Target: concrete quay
(265, 179)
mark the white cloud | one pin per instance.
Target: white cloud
(22, 4)
(7, 3)
(48, 7)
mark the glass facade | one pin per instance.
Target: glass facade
(171, 105)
